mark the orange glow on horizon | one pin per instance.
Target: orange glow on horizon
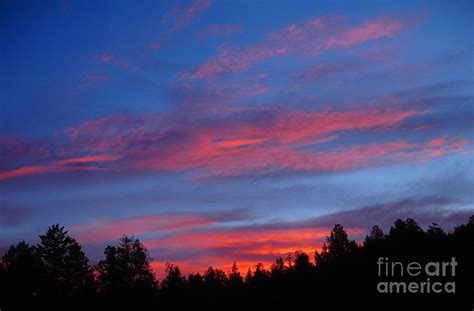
(246, 247)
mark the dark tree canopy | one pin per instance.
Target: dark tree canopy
(65, 266)
(55, 275)
(337, 245)
(23, 269)
(235, 279)
(405, 228)
(376, 235)
(126, 268)
(277, 270)
(173, 281)
(215, 278)
(302, 263)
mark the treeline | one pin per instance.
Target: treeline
(56, 274)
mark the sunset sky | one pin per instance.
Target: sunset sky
(233, 130)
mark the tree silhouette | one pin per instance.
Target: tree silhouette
(302, 263)
(405, 228)
(173, 281)
(248, 276)
(195, 282)
(235, 279)
(65, 267)
(260, 276)
(376, 235)
(434, 230)
(462, 248)
(277, 270)
(337, 245)
(214, 279)
(126, 269)
(55, 275)
(21, 270)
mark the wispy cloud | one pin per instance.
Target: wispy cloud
(90, 159)
(105, 58)
(154, 45)
(91, 81)
(42, 169)
(330, 69)
(216, 30)
(237, 142)
(84, 163)
(180, 16)
(311, 38)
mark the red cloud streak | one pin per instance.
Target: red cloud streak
(40, 169)
(89, 159)
(272, 141)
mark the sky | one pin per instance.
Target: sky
(217, 131)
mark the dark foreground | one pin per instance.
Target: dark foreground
(406, 269)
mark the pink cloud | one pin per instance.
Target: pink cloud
(112, 134)
(13, 147)
(370, 30)
(245, 148)
(436, 142)
(106, 58)
(423, 127)
(26, 170)
(330, 69)
(219, 30)
(60, 166)
(179, 17)
(154, 45)
(439, 147)
(236, 141)
(266, 160)
(89, 159)
(41, 169)
(309, 38)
